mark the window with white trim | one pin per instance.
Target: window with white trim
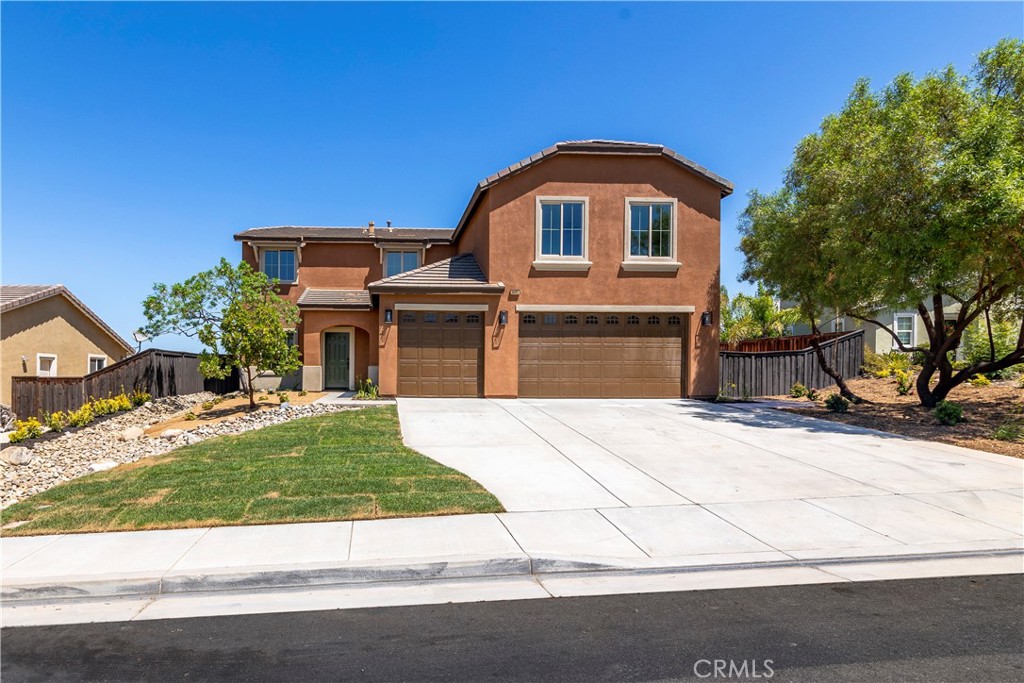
(903, 326)
(561, 228)
(46, 365)
(396, 262)
(96, 362)
(839, 325)
(651, 229)
(278, 264)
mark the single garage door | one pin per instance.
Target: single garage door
(601, 355)
(440, 353)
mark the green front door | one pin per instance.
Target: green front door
(336, 360)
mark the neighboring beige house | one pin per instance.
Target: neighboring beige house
(46, 331)
(908, 324)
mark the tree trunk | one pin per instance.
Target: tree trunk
(844, 390)
(252, 389)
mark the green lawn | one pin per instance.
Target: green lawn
(347, 465)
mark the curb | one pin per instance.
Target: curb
(272, 578)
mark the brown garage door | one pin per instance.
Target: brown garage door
(601, 355)
(440, 353)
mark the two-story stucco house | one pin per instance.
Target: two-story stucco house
(590, 269)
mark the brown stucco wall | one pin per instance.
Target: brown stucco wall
(606, 181)
(56, 326)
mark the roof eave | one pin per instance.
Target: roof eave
(390, 288)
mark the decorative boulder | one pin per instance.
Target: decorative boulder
(130, 434)
(16, 455)
(102, 466)
(190, 438)
(171, 433)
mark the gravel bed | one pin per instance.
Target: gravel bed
(50, 461)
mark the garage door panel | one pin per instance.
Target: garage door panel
(617, 355)
(440, 354)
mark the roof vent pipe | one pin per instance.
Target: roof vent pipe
(371, 227)
(390, 229)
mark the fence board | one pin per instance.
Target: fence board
(770, 373)
(154, 371)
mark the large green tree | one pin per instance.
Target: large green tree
(908, 197)
(238, 316)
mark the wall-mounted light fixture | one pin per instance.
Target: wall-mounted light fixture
(503, 318)
(705, 319)
(388, 316)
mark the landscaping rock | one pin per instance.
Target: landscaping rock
(102, 466)
(171, 433)
(16, 455)
(131, 434)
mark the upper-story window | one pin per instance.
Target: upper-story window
(396, 262)
(650, 238)
(278, 263)
(561, 233)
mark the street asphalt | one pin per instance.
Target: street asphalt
(944, 629)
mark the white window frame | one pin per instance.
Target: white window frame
(263, 260)
(420, 257)
(554, 261)
(668, 263)
(53, 365)
(839, 324)
(896, 328)
(89, 359)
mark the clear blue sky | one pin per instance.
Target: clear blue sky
(137, 138)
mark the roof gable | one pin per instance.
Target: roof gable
(16, 296)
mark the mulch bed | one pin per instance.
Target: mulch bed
(985, 409)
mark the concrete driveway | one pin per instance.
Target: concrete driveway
(667, 478)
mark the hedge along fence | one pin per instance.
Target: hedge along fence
(775, 372)
(156, 372)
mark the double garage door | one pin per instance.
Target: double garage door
(561, 355)
(440, 353)
(602, 355)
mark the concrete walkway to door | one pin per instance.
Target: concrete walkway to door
(673, 478)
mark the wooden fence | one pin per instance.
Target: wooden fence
(795, 343)
(773, 373)
(156, 372)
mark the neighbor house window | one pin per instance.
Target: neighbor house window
(46, 365)
(396, 262)
(97, 362)
(651, 227)
(291, 337)
(839, 325)
(904, 328)
(279, 264)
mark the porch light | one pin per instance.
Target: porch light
(388, 319)
(705, 319)
(503, 317)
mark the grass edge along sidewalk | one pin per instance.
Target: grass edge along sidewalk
(342, 466)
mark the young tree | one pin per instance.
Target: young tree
(236, 313)
(753, 317)
(908, 197)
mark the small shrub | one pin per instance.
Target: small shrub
(26, 429)
(837, 404)
(979, 381)
(123, 402)
(102, 406)
(208, 405)
(82, 416)
(881, 365)
(283, 397)
(263, 399)
(190, 415)
(813, 395)
(56, 421)
(368, 391)
(917, 357)
(218, 400)
(949, 413)
(904, 382)
(797, 390)
(138, 397)
(1011, 430)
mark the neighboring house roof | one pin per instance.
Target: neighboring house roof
(347, 299)
(456, 274)
(16, 296)
(603, 147)
(298, 233)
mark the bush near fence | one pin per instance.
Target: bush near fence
(773, 373)
(154, 371)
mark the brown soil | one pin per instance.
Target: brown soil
(985, 409)
(227, 409)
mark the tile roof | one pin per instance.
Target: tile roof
(299, 233)
(456, 274)
(348, 299)
(16, 296)
(591, 147)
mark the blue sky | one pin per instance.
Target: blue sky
(137, 138)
